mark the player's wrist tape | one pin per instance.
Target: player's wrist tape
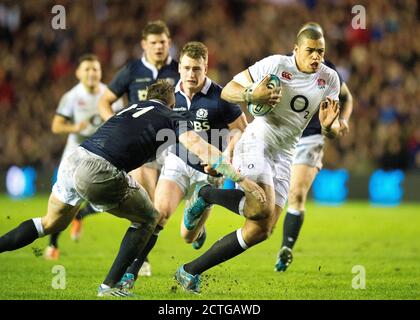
(247, 94)
(225, 168)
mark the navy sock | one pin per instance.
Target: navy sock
(228, 198)
(54, 239)
(291, 227)
(138, 262)
(133, 242)
(223, 250)
(87, 210)
(19, 237)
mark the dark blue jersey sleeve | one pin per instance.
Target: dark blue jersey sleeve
(180, 124)
(230, 111)
(121, 81)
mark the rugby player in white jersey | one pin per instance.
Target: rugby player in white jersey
(265, 151)
(77, 116)
(307, 163)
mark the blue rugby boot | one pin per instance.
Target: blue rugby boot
(285, 258)
(187, 281)
(195, 207)
(127, 281)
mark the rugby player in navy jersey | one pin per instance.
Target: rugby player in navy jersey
(198, 99)
(306, 165)
(97, 172)
(133, 80)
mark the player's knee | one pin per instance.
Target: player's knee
(257, 211)
(297, 196)
(52, 226)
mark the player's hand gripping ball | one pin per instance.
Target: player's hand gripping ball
(261, 109)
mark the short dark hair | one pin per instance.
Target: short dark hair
(161, 90)
(87, 57)
(308, 34)
(155, 27)
(195, 50)
(311, 25)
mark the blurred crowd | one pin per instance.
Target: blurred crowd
(379, 63)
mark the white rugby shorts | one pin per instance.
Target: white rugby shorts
(175, 169)
(255, 162)
(309, 151)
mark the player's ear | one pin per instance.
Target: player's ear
(296, 49)
(143, 44)
(77, 73)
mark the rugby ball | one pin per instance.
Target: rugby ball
(261, 109)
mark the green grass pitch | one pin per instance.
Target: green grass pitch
(385, 241)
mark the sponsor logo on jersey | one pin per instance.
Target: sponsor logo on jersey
(321, 83)
(286, 75)
(202, 114)
(180, 109)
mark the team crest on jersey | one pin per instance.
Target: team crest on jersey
(202, 113)
(321, 83)
(286, 75)
(81, 103)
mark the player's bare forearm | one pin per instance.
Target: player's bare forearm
(208, 154)
(233, 92)
(347, 102)
(61, 125)
(105, 104)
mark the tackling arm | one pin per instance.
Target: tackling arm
(60, 125)
(209, 154)
(237, 127)
(105, 104)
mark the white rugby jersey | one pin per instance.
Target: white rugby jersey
(79, 105)
(301, 95)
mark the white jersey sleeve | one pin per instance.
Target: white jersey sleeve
(259, 70)
(118, 105)
(66, 106)
(268, 65)
(333, 90)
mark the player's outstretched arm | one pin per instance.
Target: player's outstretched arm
(105, 104)
(60, 125)
(241, 90)
(214, 158)
(346, 100)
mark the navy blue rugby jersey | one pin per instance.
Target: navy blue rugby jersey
(314, 126)
(130, 138)
(209, 114)
(137, 75)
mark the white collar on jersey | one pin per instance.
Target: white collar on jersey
(152, 68)
(204, 90)
(159, 101)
